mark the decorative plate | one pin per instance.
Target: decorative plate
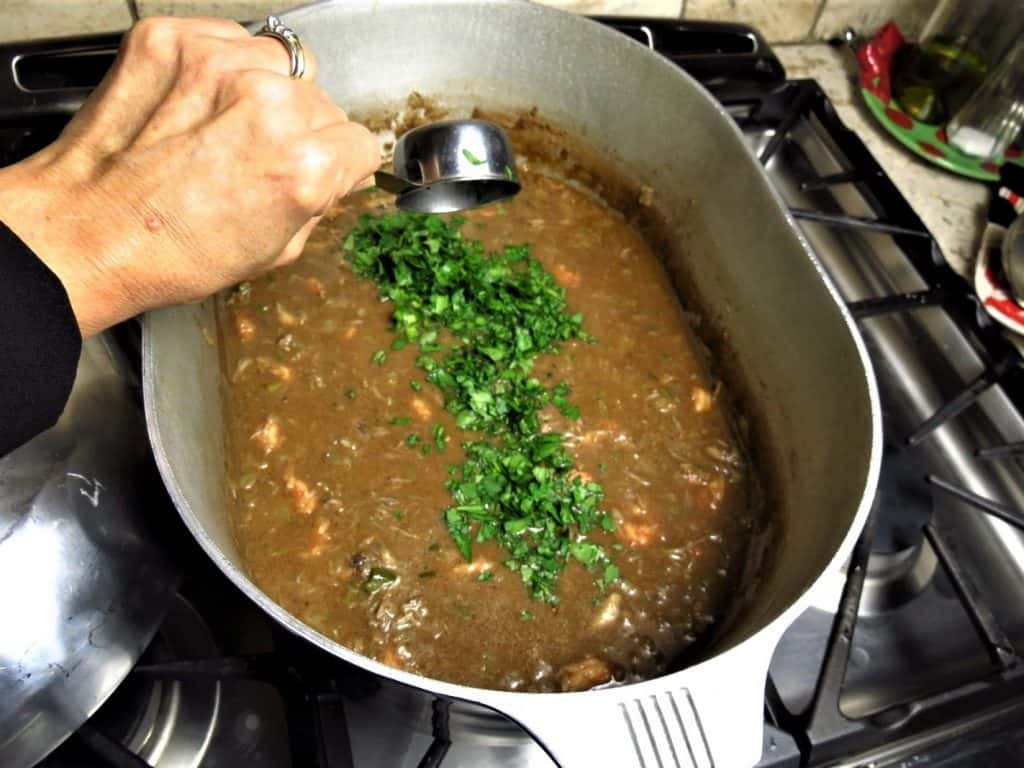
(929, 141)
(991, 284)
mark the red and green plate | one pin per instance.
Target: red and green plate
(928, 141)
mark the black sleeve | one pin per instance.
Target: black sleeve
(39, 344)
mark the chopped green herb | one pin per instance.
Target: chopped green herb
(560, 399)
(415, 386)
(379, 357)
(601, 467)
(440, 438)
(611, 574)
(400, 421)
(526, 616)
(485, 576)
(501, 310)
(378, 578)
(472, 158)
(397, 514)
(501, 209)
(412, 440)
(509, 173)
(398, 344)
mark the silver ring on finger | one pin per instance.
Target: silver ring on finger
(275, 29)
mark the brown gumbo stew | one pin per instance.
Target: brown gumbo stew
(450, 500)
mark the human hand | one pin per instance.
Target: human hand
(196, 164)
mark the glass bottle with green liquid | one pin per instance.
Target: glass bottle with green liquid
(961, 42)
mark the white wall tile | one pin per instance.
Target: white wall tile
(780, 21)
(866, 16)
(240, 10)
(29, 19)
(662, 8)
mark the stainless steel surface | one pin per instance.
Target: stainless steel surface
(1013, 257)
(921, 360)
(451, 165)
(168, 723)
(85, 583)
(894, 579)
(794, 352)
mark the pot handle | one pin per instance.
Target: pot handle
(710, 716)
(51, 78)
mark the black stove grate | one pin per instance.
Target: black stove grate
(822, 731)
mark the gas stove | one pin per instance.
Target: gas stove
(911, 658)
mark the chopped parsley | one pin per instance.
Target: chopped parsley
(440, 438)
(501, 311)
(378, 578)
(400, 421)
(560, 399)
(472, 158)
(379, 357)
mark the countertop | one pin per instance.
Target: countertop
(952, 207)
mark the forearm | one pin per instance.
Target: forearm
(39, 344)
(42, 203)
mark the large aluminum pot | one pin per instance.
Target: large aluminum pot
(793, 350)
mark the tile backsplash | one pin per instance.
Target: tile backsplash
(780, 21)
(28, 19)
(868, 15)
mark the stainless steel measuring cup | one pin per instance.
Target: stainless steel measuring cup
(451, 165)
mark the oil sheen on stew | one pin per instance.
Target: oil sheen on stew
(326, 488)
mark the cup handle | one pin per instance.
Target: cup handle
(709, 716)
(20, 99)
(389, 182)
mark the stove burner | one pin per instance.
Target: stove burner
(895, 578)
(905, 500)
(166, 722)
(901, 563)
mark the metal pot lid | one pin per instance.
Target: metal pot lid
(85, 582)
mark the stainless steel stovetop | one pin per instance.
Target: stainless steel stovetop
(912, 660)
